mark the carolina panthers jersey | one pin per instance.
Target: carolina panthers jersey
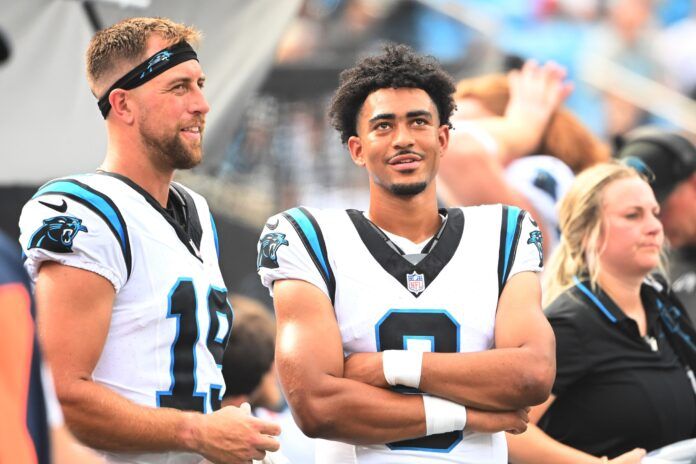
(171, 318)
(445, 302)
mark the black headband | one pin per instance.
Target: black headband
(149, 69)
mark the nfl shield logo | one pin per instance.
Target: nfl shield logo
(415, 282)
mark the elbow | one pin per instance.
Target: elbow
(313, 415)
(536, 382)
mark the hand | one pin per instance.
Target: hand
(365, 368)
(514, 422)
(232, 435)
(536, 92)
(632, 457)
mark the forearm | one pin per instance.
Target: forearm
(102, 419)
(343, 409)
(497, 379)
(536, 447)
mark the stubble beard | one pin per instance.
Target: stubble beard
(171, 151)
(408, 190)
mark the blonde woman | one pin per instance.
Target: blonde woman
(625, 348)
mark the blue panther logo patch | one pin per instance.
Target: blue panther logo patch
(162, 56)
(57, 234)
(536, 238)
(269, 247)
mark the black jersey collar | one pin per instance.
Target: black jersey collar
(190, 231)
(413, 277)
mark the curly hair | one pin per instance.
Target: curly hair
(398, 67)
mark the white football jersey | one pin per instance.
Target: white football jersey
(171, 318)
(445, 303)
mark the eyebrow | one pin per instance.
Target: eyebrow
(185, 80)
(409, 115)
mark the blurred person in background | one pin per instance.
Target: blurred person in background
(31, 429)
(672, 158)
(503, 127)
(627, 37)
(247, 364)
(250, 375)
(625, 353)
(533, 120)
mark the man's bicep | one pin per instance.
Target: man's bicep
(74, 313)
(309, 341)
(520, 320)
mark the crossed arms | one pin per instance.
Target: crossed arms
(348, 400)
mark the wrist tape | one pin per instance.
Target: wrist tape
(402, 367)
(443, 416)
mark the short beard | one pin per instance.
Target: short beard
(408, 190)
(170, 152)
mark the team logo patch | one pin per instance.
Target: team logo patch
(415, 282)
(269, 248)
(57, 234)
(537, 240)
(161, 57)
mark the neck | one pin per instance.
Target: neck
(132, 160)
(415, 218)
(624, 290)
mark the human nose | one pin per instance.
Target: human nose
(654, 225)
(199, 104)
(402, 137)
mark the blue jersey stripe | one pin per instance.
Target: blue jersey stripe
(215, 235)
(311, 234)
(69, 188)
(512, 216)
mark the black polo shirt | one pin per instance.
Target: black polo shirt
(614, 391)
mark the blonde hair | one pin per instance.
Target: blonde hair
(123, 45)
(565, 138)
(580, 223)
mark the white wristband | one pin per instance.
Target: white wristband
(402, 367)
(443, 416)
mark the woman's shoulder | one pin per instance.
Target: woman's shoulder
(571, 305)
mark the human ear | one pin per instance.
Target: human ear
(120, 106)
(443, 138)
(356, 152)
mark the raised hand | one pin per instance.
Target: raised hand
(536, 92)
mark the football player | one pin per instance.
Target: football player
(125, 264)
(406, 333)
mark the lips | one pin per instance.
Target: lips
(405, 161)
(194, 131)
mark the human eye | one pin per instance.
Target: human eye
(420, 122)
(382, 125)
(179, 88)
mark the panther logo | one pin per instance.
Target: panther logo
(269, 248)
(537, 240)
(57, 234)
(164, 55)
